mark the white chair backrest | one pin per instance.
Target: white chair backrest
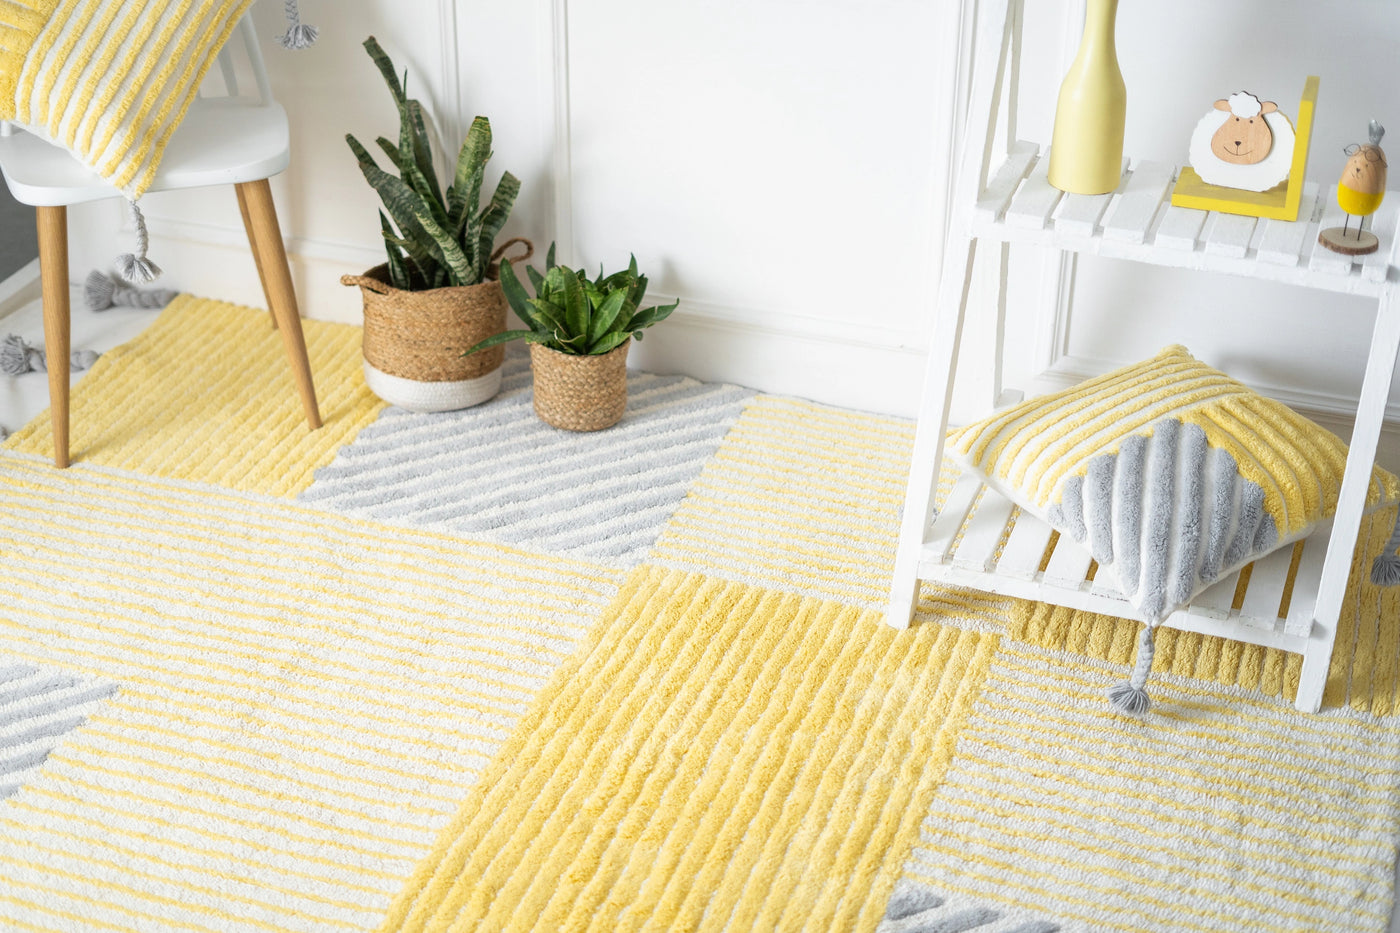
(229, 69)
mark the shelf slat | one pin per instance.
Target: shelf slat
(983, 533)
(1302, 608)
(1069, 565)
(992, 203)
(1266, 584)
(1139, 201)
(1025, 549)
(1229, 234)
(949, 522)
(1180, 228)
(1079, 214)
(1035, 200)
(1218, 600)
(1375, 266)
(1283, 242)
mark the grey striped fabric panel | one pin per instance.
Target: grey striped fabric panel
(37, 709)
(917, 908)
(497, 472)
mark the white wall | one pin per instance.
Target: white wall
(781, 166)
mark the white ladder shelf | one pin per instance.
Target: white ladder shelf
(979, 539)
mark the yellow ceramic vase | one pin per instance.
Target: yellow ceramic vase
(1086, 151)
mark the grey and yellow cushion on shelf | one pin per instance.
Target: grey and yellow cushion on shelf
(1171, 474)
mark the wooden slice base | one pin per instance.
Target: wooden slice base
(1352, 244)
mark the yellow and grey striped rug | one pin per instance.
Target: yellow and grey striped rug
(464, 672)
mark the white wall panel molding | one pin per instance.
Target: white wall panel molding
(561, 132)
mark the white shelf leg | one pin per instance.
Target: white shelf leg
(993, 39)
(1351, 503)
(928, 436)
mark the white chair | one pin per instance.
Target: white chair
(223, 140)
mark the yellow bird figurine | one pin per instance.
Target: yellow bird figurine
(1359, 193)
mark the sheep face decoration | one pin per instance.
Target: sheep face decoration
(1243, 142)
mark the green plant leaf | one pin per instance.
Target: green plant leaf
(536, 279)
(639, 291)
(391, 151)
(423, 151)
(605, 317)
(608, 343)
(554, 284)
(403, 215)
(413, 215)
(386, 68)
(398, 275)
(505, 336)
(577, 310)
(497, 212)
(470, 170)
(653, 315)
(515, 293)
(550, 315)
(549, 257)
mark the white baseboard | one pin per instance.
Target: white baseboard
(21, 288)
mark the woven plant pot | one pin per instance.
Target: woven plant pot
(579, 393)
(414, 341)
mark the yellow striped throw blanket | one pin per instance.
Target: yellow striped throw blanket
(110, 80)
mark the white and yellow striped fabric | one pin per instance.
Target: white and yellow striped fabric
(255, 678)
(1170, 472)
(110, 80)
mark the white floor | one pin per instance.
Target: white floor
(23, 397)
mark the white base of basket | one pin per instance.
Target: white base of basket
(432, 396)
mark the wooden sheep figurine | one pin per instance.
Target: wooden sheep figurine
(1359, 193)
(1243, 143)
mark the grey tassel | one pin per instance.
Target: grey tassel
(18, 357)
(1376, 132)
(1130, 696)
(298, 34)
(136, 268)
(103, 291)
(1385, 569)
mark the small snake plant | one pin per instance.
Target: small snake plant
(434, 241)
(573, 315)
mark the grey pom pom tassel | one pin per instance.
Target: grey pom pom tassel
(1130, 696)
(18, 357)
(136, 268)
(98, 291)
(1385, 569)
(1375, 132)
(298, 34)
(103, 291)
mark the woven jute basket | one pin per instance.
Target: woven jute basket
(414, 341)
(580, 393)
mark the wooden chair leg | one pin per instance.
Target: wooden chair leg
(282, 299)
(53, 272)
(253, 245)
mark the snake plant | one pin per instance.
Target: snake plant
(433, 240)
(574, 315)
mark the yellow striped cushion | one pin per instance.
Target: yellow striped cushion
(110, 80)
(1137, 462)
